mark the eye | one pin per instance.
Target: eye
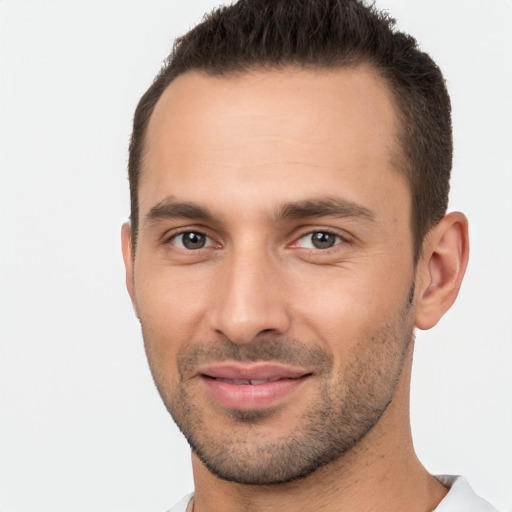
(191, 240)
(319, 240)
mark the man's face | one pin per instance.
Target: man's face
(274, 275)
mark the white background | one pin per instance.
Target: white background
(81, 426)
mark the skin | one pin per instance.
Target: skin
(246, 154)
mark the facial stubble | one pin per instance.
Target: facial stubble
(346, 407)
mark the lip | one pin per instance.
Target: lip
(253, 386)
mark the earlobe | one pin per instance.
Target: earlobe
(126, 244)
(441, 269)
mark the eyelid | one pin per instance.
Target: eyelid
(180, 245)
(213, 240)
(337, 240)
(169, 235)
(343, 237)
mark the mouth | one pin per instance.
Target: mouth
(246, 382)
(251, 387)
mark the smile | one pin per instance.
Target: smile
(251, 387)
(251, 382)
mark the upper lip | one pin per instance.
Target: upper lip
(252, 371)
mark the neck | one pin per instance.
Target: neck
(382, 472)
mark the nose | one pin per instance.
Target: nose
(251, 298)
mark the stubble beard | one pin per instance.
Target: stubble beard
(346, 408)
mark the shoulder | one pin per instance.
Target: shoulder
(461, 497)
(182, 505)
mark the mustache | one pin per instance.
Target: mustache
(289, 352)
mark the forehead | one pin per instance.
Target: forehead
(301, 131)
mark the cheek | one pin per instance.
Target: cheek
(171, 309)
(345, 308)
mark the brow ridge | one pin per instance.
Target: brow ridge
(169, 208)
(325, 207)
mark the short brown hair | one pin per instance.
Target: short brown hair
(325, 34)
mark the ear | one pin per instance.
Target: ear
(128, 257)
(441, 269)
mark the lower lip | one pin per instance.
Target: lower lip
(251, 396)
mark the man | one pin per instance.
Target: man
(289, 174)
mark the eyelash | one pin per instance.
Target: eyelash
(338, 239)
(209, 241)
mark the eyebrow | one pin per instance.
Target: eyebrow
(336, 207)
(171, 209)
(325, 207)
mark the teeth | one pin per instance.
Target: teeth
(255, 382)
(236, 382)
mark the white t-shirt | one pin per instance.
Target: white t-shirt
(460, 498)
